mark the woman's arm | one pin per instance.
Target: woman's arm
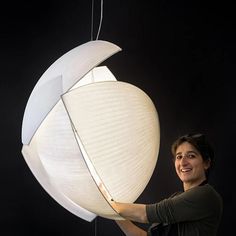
(130, 211)
(130, 229)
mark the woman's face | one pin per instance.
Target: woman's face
(189, 165)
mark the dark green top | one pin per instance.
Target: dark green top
(196, 212)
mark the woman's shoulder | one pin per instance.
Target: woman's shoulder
(205, 194)
(205, 189)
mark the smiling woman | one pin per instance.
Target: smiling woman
(195, 211)
(193, 157)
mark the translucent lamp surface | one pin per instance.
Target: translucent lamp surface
(59, 78)
(98, 139)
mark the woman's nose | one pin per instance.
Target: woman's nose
(184, 160)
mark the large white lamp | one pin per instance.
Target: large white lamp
(88, 138)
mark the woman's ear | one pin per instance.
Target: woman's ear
(207, 163)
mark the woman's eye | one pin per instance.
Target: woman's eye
(191, 155)
(178, 157)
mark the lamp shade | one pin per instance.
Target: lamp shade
(95, 139)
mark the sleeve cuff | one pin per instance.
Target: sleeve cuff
(151, 211)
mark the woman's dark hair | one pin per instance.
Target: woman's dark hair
(200, 142)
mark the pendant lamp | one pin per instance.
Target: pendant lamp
(87, 137)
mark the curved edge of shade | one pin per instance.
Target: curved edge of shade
(59, 78)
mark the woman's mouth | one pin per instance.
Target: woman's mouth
(185, 170)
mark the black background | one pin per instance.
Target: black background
(181, 53)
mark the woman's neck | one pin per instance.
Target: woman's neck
(189, 185)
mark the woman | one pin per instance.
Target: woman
(194, 212)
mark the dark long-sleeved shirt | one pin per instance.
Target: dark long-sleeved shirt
(196, 212)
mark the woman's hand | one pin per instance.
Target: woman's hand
(131, 211)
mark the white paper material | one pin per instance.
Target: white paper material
(88, 138)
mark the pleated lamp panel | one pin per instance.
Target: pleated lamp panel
(39, 154)
(41, 101)
(88, 56)
(100, 141)
(30, 153)
(63, 74)
(64, 164)
(118, 127)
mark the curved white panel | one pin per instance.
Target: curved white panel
(60, 167)
(118, 126)
(88, 138)
(63, 73)
(45, 97)
(32, 159)
(36, 157)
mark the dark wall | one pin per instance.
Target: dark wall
(181, 53)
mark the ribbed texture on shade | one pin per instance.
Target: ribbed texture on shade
(54, 157)
(31, 156)
(88, 138)
(64, 73)
(64, 164)
(118, 127)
